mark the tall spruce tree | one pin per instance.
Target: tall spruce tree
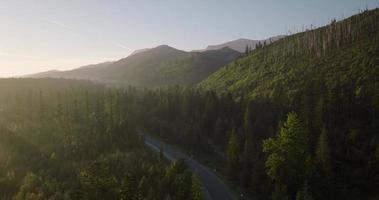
(232, 153)
(322, 151)
(249, 148)
(287, 155)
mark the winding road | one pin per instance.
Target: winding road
(213, 187)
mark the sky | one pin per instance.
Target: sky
(41, 35)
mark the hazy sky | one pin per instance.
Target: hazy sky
(39, 35)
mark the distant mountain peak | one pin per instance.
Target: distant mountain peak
(165, 47)
(241, 43)
(243, 39)
(139, 51)
(160, 48)
(158, 66)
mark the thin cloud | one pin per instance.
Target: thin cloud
(60, 24)
(122, 46)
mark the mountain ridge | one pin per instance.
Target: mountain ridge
(241, 43)
(159, 66)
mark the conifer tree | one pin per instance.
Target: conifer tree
(196, 188)
(233, 156)
(288, 153)
(249, 148)
(247, 50)
(41, 107)
(322, 151)
(59, 111)
(129, 189)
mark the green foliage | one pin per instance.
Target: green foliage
(328, 75)
(35, 187)
(322, 151)
(342, 51)
(232, 153)
(288, 152)
(63, 139)
(97, 182)
(249, 148)
(196, 188)
(129, 189)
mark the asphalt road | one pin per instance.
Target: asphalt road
(213, 187)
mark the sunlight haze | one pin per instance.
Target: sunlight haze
(43, 35)
(189, 99)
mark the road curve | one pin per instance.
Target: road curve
(213, 187)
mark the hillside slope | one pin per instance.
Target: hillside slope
(340, 54)
(160, 66)
(240, 44)
(329, 78)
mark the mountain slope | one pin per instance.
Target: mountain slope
(342, 53)
(329, 78)
(240, 44)
(159, 66)
(90, 72)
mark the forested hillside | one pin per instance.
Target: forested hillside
(156, 67)
(64, 139)
(341, 53)
(242, 43)
(296, 119)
